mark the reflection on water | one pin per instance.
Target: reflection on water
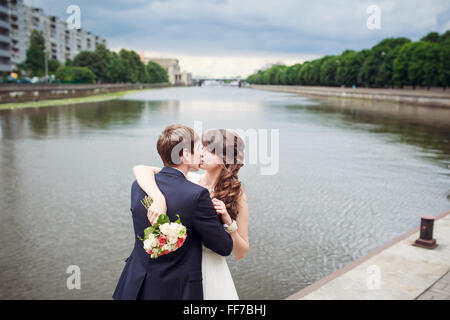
(426, 128)
(350, 179)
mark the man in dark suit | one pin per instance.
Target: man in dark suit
(177, 275)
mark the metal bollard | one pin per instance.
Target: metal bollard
(426, 234)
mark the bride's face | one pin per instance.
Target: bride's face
(209, 161)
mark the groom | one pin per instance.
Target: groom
(177, 275)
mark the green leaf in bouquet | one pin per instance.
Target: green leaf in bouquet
(140, 238)
(178, 220)
(147, 231)
(163, 218)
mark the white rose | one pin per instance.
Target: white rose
(172, 237)
(148, 245)
(165, 228)
(151, 242)
(177, 228)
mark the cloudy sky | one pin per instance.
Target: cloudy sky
(226, 38)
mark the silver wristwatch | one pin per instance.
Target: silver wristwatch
(232, 228)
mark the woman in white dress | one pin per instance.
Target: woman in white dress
(222, 156)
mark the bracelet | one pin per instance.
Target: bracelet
(232, 228)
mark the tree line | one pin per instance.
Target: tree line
(100, 65)
(393, 62)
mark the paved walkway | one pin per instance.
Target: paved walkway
(396, 271)
(440, 290)
(439, 98)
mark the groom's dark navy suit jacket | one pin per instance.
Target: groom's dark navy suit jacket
(177, 275)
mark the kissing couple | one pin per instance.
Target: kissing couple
(212, 206)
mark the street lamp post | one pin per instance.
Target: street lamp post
(46, 65)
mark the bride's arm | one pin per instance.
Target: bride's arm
(240, 237)
(145, 176)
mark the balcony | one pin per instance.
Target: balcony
(13, 11)
(5, 67)
(4, 24)
(4, 9)
(4, 38)
(5, 53)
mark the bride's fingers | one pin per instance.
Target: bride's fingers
(152, 216)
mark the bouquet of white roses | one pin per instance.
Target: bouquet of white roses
(164, 236)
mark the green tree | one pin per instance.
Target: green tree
(292, 73)
(279, 75)
(303, 73)
(431, 37)
(53, 65)
(380, 56)
(445, 36)
(256, 78)
(116, 68)
(96, 61)
(269, 75)
(423, 64)
(313, 72)
(35, 54)
(103, 56)
(444, 62)
(400, 66)
(349, 66)
(384, 76)
(157, 74)
(391, 62)
(328, 70)
(133, 67)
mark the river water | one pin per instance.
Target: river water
(344, 181)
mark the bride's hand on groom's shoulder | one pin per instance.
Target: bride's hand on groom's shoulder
(221, 210)
(157, 207)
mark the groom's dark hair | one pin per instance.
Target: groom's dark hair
(173, 140)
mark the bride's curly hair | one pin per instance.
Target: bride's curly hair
(230, 147)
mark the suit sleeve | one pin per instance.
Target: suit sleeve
(137, 194)
(208, 226)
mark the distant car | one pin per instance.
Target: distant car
(35, 80)
(25, 80)
(10, 79)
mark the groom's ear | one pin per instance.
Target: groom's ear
(185, 156)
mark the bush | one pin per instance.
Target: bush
(75, 75)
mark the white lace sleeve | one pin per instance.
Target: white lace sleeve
(193, 177)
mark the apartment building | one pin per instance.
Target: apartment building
(5, 40)
(61, 42)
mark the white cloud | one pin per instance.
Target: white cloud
(220, 37)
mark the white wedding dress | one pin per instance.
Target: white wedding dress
(217, 280)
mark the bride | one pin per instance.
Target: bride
(228, 198)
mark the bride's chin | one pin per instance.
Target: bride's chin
(202, 166)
